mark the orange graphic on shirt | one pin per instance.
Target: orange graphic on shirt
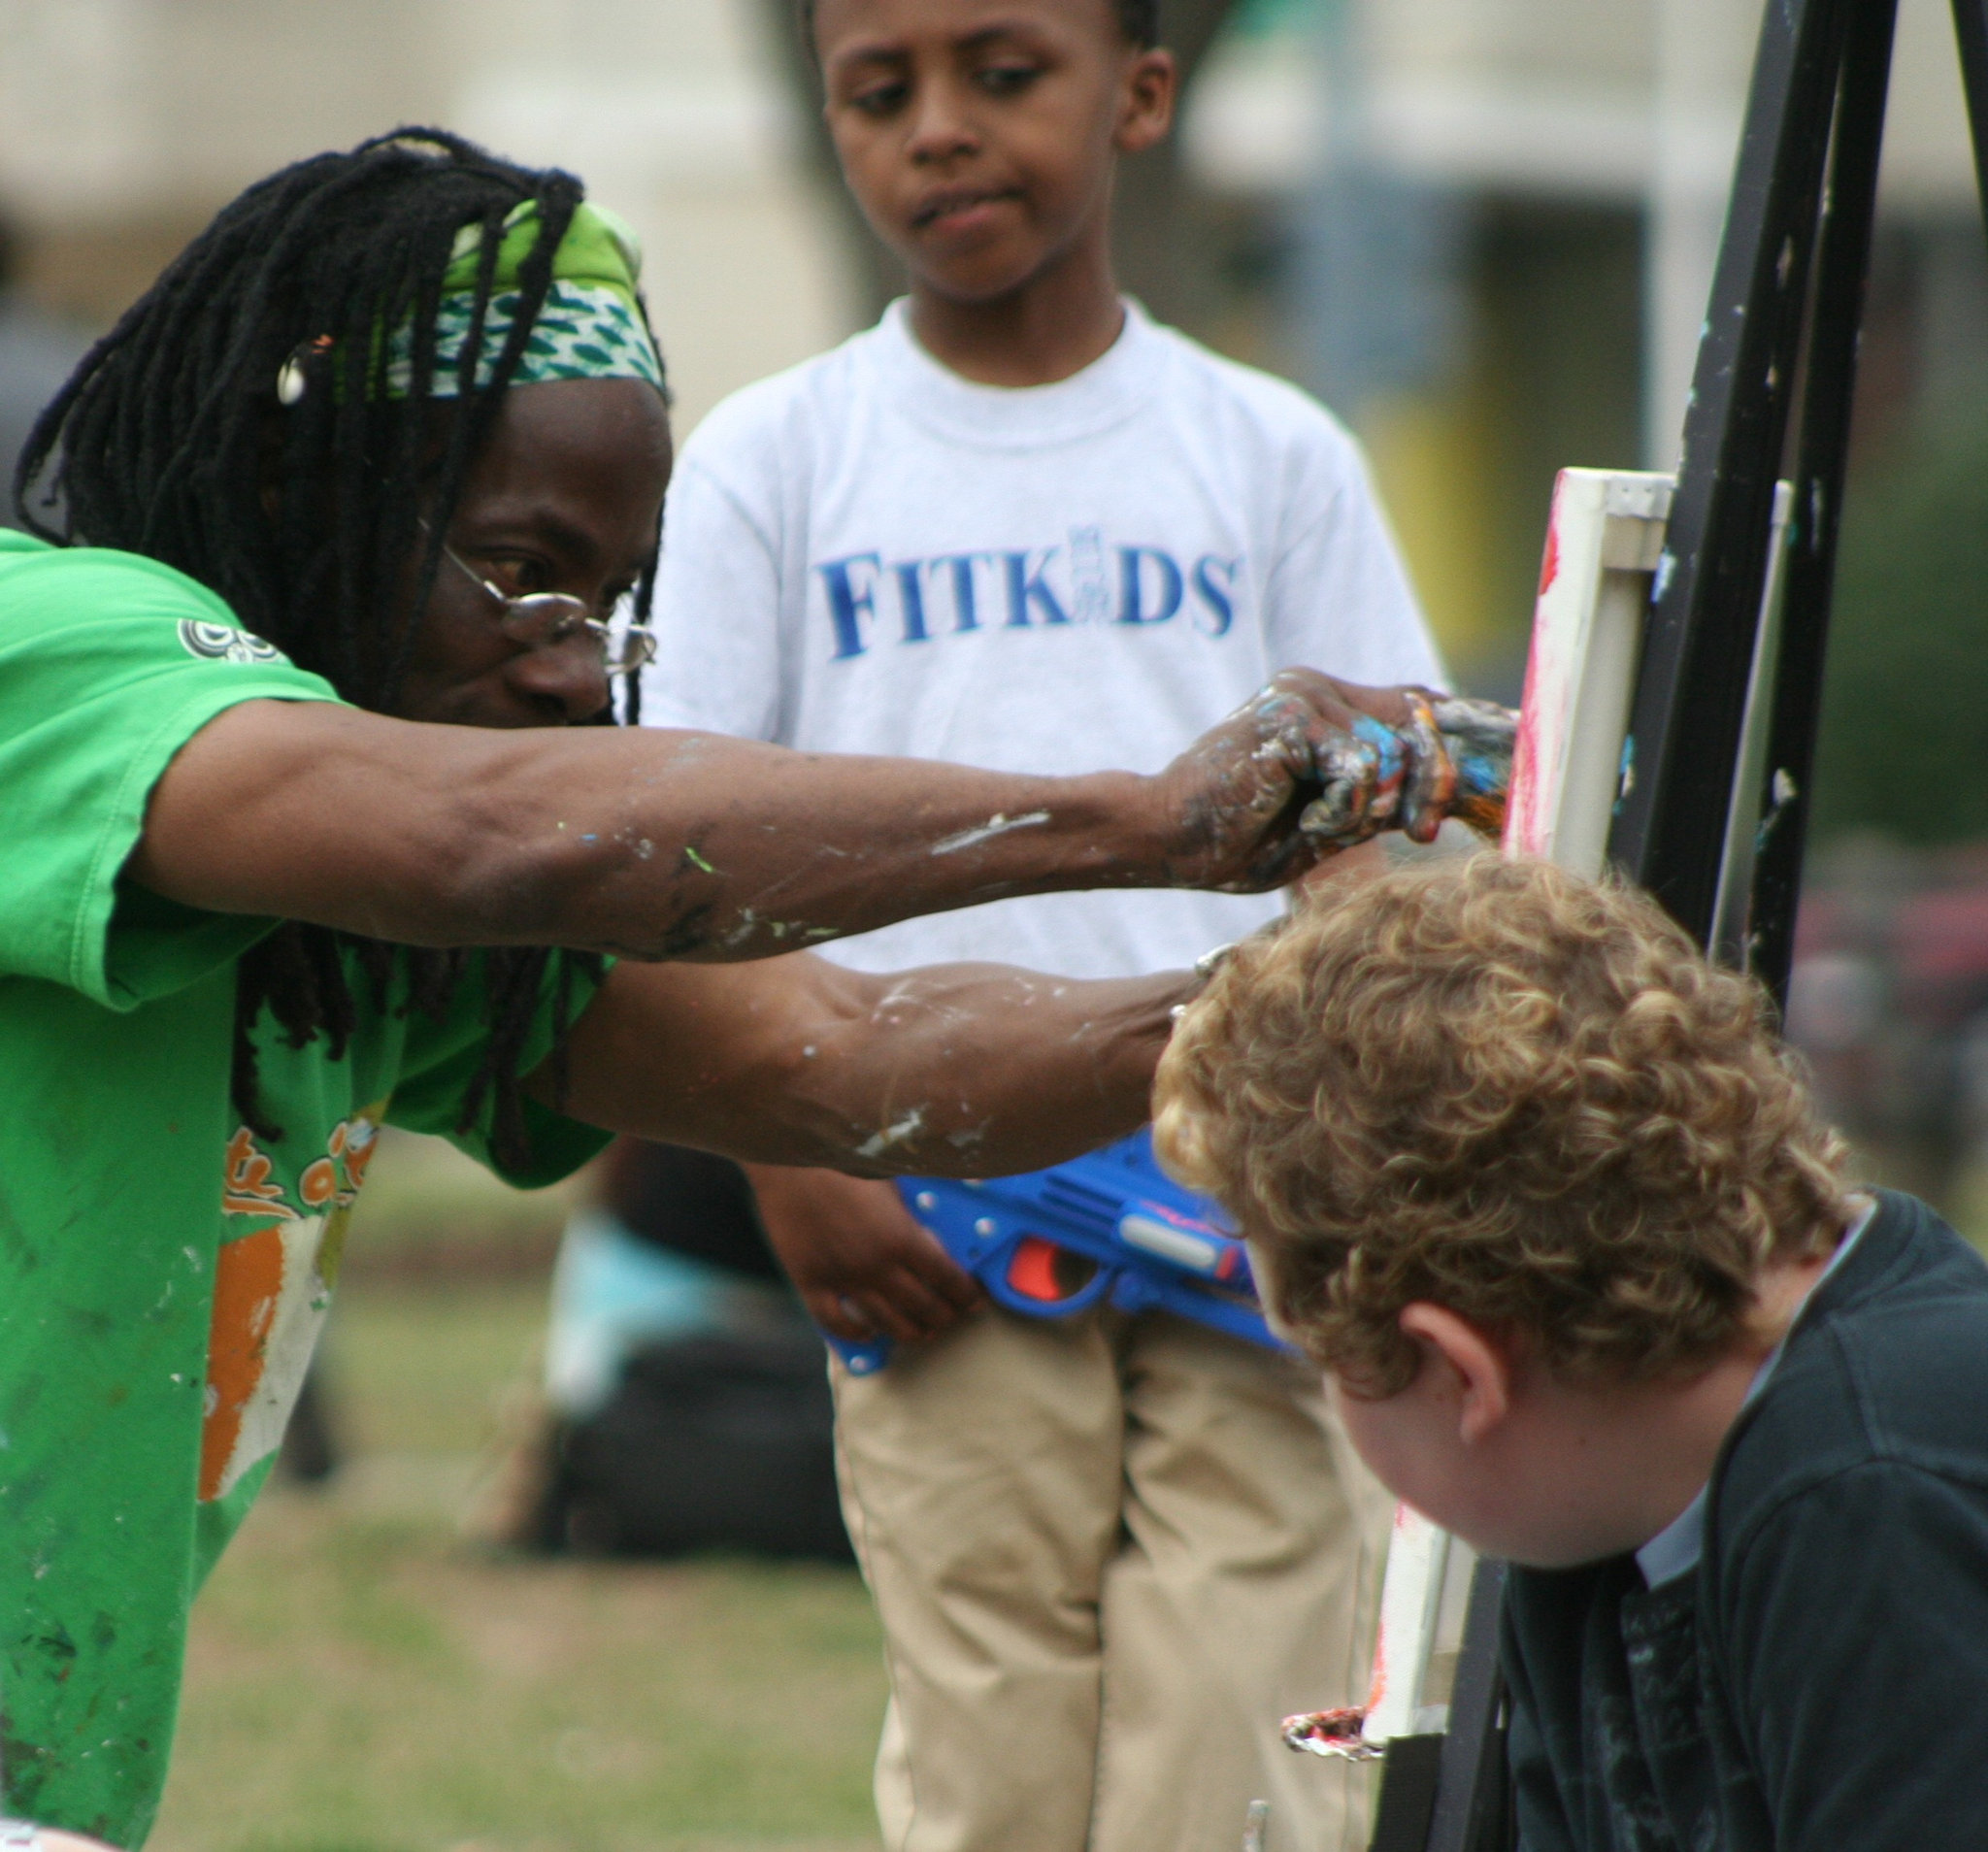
(319, 1184)
(248, 1280)
(354, 1141)
(248, 1189)
(272, 1289)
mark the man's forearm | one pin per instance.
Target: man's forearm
(721, 849)
(962, 1071)
(648, 844)
(956, 1070)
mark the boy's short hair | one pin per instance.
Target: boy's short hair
(1138, 19)
(1520, 1094)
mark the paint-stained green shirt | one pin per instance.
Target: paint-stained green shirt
(163, 1273)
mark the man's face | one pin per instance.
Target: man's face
(979, 135)
(565, 497)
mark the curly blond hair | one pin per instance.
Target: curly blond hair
(1520, 1094)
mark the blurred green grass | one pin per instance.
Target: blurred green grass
(362, 1681)
(430, 1212)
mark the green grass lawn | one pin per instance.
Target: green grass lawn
(361, 1681)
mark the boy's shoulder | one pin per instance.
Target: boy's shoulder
(770, 413)
(1267, 395)
(1886, 1371)
(1841, 1615)
(1282, 412)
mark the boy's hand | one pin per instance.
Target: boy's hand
(861, 1265)
(1305, 768)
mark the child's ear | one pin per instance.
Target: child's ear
(1151, 86)
(1482, 1369)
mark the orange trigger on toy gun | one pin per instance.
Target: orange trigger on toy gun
(1032, 1272)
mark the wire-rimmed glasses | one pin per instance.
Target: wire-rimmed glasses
(540, 619)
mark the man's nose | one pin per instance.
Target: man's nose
(568, 677)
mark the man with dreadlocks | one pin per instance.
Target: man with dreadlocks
(293, 687)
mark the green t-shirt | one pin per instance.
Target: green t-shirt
(162, 1274)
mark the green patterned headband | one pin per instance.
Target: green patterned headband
(591, 326)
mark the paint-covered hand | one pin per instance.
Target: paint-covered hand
(1310, 766)
(863, 1267)
(1477, 739)
(1452, 758)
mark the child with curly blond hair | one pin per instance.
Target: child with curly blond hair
(1536, 1186)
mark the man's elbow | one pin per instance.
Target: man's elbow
(487, 882)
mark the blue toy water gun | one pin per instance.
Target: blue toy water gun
(1110, 1226)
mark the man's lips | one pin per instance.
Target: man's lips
(955, 203)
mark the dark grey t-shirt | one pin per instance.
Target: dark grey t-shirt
(1821, 1682)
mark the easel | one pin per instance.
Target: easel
(1708, 798)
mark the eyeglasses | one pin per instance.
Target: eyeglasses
(540, 619)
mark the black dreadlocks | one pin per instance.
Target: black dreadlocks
(1138, 19)
(170, 441)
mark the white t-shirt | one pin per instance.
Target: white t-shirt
(868, 553)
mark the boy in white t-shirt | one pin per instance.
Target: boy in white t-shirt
(1018, 525)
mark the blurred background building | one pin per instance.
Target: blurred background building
(1481, 229)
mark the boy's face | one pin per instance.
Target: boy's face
(1413, 1443)
(979, 135)
(1495, 1448)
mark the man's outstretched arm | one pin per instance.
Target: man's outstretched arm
(955, 1069)
(672, 846)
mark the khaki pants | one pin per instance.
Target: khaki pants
(1109, 1556)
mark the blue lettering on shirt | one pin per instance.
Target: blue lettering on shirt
(846, 604)
(1215, 580)
(1026, 588)
(1044, 587)
(962, 564)
(1133, 583)
(1090, 581)
(912, 590)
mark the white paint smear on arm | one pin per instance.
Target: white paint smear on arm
(996, 825)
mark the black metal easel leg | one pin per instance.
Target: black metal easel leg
(1472, 1799)
(1449, 1793)
(1407, 1794)
(1691, 691)
(1971, 28)
(1842, 266)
